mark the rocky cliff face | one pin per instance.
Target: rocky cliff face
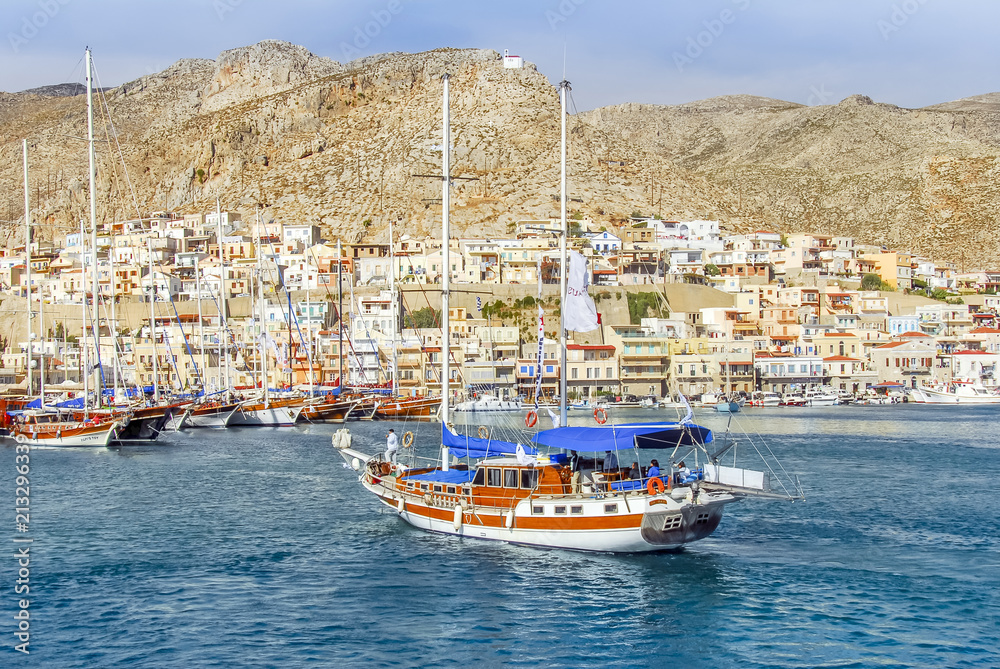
(275, 129)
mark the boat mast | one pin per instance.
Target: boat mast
(93, 222)
(152, 317)
(201, 324)
(340, 320)
(446, 267)
(84, 360)
(224, 329)
(563, 88)
(27, 263)
(262, 338)
(394, 313)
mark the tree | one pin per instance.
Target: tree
(871, 282)
(421, 318)
(712, 269)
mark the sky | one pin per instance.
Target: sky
(911, 53)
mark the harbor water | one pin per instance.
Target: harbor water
(256, 547)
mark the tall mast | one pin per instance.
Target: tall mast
(152, 317)
(223, 328)
(563, 88)
(445, 258)
(340, 320)
(201, 325)
(93, 220)
(27, 262)
(262, 338)
(84, 361)
(394, 314)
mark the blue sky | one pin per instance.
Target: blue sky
(907, 52)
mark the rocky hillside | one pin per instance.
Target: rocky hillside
(276, 129)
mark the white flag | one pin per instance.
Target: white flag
(581, 312)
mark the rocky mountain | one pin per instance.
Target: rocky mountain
(274, 129)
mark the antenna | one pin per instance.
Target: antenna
(564, 60)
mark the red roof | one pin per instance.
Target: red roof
(840, 358)
(587, 347)
(892, 344)
(914, 334)
(985, 330)
(973, 353)
(785, 337)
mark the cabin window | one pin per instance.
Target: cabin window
(423, 486)
(451, 490)
(560, 510)
(671, 523)
(510, 478)
(576, 509)
(438, 488)
(702, 518)
(529, 478)
(610, 508)
(538, 510)
(493, 477)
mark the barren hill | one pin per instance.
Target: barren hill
(274, 128)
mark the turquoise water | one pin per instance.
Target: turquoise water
(255, 547)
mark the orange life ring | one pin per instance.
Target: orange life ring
(601, 415)
(655, 486)
(531, 418)
(484, 432)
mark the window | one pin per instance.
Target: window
(493, 477)
(573, 373)
(510, 478)
(538, 510)
(610, 508)
(671, 523)
(529, 478)
(560, 510)
(608, 373)
(438, 488)
(576, 510)
(549, 369)
(680, 369)
(480, 477)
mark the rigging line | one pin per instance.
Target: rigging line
(114, 133)
(187, 344)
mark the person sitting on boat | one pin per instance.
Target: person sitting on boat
(682, 471)
(635, 472)
(654, 469)
(610, 461)
(391, 446)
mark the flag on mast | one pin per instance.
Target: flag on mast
(581, 312)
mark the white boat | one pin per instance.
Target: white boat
(489, 403)
(268, 413)
(43, 428)
(822, 397)
(956, 392)
(649, 402)
(765, 398)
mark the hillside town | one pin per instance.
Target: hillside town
(192, 300)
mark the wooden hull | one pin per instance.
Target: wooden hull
(146, 423)
(331, 412)
(69, 434)
(421, 407)
(280, 413)
(218, 416)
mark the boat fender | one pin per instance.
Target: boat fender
(508, 520)
(531, 418)
(407, 439)
(58, 433)
(484, 432)
(356, 464)
(457, 522)
(601, 416)
(429, 499)
(655, 486)
(401, 505)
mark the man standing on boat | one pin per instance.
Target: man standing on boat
(391, 446)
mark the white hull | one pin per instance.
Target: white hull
(217, 420)
(969, 396)
(824, 401)
(98, 439)
(488, 405)
(271, 417)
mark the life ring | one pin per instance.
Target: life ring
(655, 486)
(484, 432)
(531, 418)
(407, 439)
(601, 415)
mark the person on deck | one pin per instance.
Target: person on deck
(682, 471)
(654, 469)
(391, 446)
(610, 461)
(635, 473)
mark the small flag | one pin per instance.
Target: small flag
(479, 304)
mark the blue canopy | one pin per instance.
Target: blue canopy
(624, 437)
(465, 446)
(450, 476)
(76, 403)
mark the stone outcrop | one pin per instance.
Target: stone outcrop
(272, 128)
